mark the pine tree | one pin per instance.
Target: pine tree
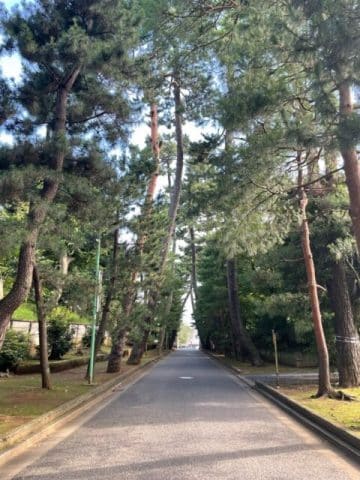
(71, 51)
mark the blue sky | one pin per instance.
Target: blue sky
(10, 3)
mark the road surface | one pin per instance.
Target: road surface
(186, 419)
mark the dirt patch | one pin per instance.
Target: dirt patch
(9, 422)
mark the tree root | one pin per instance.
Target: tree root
(335, 395)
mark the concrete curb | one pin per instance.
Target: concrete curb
(337, 436)
(34, 427)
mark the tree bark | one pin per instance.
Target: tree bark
(119, 340)
(43, 342)
(64, 263)
(193, 263)
(351, 163)
(137, 352)
(242, 340)
(324, 387)
(347, 337)
(1, 288)
(117, 350)
(131, 291)
(164, 326)
(100, 334)
(37, 213)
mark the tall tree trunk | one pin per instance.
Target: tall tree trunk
(138, 352)
(120, 337)
(351, 163)
(118, 341)
(169, 301)
(347, 337)
(37, 213)
(1, 288)
(324, 387)
(164, 326)
(64, 263)
(100, 333)
(43, 342)
(117, 350)
(242, 340)
(139, 348)
(193, 262)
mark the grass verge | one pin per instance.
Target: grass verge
(343, 414)
(265, 369)
(22, 398)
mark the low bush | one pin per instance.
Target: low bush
(59, 334)
(14, 350)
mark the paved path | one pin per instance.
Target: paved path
(188, 419)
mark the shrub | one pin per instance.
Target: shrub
(59, 334)
(86, 339)
(15, 348)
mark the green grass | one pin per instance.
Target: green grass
(22, 398)
(342, 413)
(26, 312)
(267, 368)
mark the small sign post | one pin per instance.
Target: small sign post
(274, 338)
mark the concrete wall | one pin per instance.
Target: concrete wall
(32, 329)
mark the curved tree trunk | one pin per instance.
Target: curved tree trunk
(242, 340)
(347, 337)
(37, 213)
(118, 341)
(324, 387)
(137, 352)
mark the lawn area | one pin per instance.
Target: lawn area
(22, 399)
(266, 368)
(342, 413)
(26, 312)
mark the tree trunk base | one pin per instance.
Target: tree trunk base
(138, 351)
(257, 363)
(335, 395)
(114, 365)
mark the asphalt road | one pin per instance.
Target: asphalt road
(187, 418)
